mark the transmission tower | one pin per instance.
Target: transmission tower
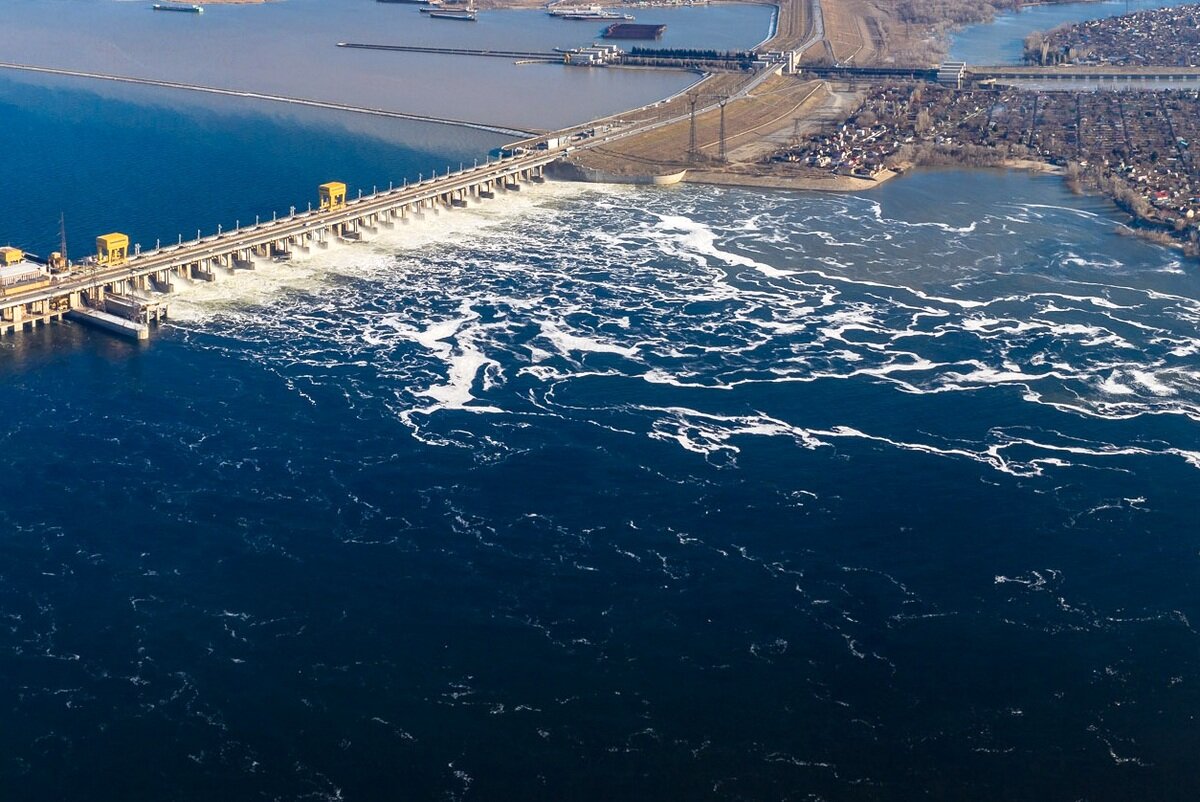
(721, 152)
(693, 151)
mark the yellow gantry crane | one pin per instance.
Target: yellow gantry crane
(333, 196)
(10, 255)
(112, 249)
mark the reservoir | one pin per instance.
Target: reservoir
(290, 49)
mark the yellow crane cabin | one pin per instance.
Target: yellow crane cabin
(333, 195)
(112, 249)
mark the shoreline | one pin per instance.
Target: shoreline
(848, 183)
(1134, 227)
(831, 183)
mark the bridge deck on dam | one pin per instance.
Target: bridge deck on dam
(52, 297)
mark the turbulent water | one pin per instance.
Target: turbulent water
(585, 493)
(598, 493)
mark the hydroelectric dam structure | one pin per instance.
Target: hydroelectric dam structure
(125, 290)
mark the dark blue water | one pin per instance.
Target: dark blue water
(157, 164)
(600, 493)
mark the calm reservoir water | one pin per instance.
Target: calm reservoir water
(594, 493)
(289, 48)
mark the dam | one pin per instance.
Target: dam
(125, 290)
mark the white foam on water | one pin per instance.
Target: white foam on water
(568, 344)
(1112, 385)
(498, 308)
(1148, 380)
(700, 240)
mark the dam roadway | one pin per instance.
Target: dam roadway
(138, 283)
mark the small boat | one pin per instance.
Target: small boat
(565, 10)
(585, 13)
(595, 15)
(177, 7)
(461, 13)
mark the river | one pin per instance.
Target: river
(593, 492)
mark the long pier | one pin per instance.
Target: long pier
(133, 286)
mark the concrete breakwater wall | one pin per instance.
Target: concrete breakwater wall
(566, 171)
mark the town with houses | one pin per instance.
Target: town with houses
(1136, 147)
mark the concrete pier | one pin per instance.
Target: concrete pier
(110, 323)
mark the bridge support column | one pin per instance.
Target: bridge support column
(203, 271)
(161, 281)
(244, 259)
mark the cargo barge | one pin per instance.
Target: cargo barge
(628, 30)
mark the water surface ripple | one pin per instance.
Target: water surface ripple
(596, 493)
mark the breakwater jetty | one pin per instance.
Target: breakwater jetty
(294, 101)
